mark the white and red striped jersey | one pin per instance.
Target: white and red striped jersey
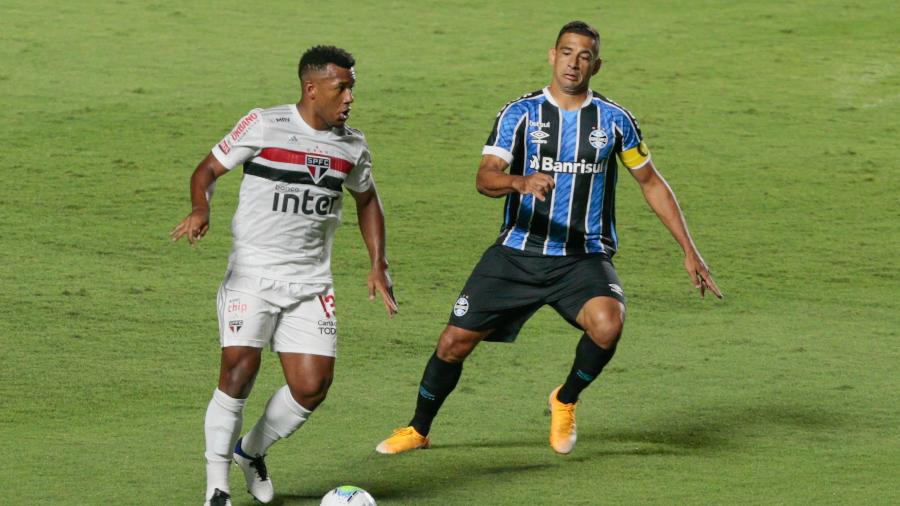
(290, 198)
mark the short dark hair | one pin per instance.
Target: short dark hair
(581, 28)
(317, 58)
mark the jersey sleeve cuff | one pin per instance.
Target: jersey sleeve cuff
(222, 157)
(498, 152)
(361, 188)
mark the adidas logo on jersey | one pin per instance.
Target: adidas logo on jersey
(547, 164)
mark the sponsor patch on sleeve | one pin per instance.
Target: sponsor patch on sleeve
(635, 157)
(243, 126)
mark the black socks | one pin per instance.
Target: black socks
(438, 380)
(589, 362)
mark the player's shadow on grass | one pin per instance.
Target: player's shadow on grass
(710, 429)
(705, 429)
(393, 489)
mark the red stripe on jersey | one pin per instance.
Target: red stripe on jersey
(300, 158)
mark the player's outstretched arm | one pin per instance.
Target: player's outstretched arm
(196, 223)
(371, 224)
(493, 181)
(661, 198)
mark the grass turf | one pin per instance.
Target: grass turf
(772, 121)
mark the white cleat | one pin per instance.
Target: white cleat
(256, 475)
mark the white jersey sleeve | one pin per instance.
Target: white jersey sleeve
(242, 142)
(360, 178)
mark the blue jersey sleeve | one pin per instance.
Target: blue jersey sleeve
(634, 153)
(631, 133)
(502, 139)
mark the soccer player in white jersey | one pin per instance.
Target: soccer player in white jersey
(559, 146)
(277, 290)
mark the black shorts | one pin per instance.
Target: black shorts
(507, 286)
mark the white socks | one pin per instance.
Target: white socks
(282, 417)
(222, 426)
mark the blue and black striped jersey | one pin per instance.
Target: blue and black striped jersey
(575, 147)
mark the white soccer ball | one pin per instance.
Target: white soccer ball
(347, 495)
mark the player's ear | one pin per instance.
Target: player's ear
(597, 65)
(551, 56)
(309, 89)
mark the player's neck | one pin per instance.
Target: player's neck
(309, 116)
(569, 101)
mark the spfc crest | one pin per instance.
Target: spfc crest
(317, 166)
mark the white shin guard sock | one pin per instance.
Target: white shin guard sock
(282, 417)
(222, 427)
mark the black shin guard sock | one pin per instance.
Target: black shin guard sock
(589, 362)
(438, 380)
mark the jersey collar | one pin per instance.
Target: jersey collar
(587, 100)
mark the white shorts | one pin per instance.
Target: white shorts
(289, 317)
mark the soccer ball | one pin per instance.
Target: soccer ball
(347, 495)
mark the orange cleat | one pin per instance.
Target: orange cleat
(402, 440)
(562, 424)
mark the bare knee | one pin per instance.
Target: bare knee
(604, 323)
(238, 370)
(311, 391)
(455, 344)
(308, 377)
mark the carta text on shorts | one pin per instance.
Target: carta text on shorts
(327, 327)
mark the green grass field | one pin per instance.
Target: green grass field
(775, 123)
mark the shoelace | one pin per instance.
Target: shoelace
(259, 464)
(568, 409)
(403, 431)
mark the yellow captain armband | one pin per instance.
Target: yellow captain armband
(636, 157)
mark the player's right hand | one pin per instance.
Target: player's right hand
(537, 184)
(380, 281)
(194, 226)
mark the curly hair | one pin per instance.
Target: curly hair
(317, 58)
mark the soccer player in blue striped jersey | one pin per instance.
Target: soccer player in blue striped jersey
(554, 154)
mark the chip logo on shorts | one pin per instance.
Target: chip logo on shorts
(236, 306)
(235, 326)
(461, 307)
(617, 289)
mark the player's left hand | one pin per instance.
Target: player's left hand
(194, 226)
(700, 276)
(380, 281)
